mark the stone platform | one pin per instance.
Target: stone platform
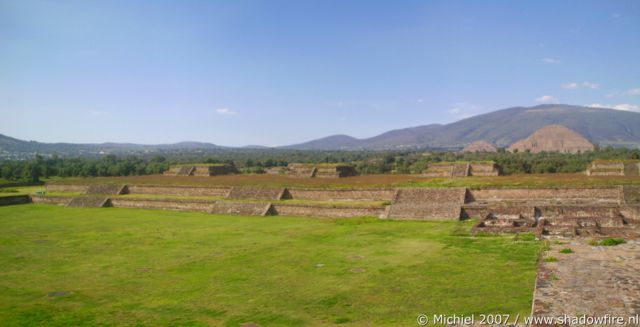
(593, 280)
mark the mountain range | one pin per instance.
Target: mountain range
(502, 128)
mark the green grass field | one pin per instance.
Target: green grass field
(110, 266)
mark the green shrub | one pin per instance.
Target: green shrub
(566, 251)
(612, 241)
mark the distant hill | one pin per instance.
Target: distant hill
(502, 128)
(12, 148)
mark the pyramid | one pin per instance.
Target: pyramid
(553, 138)
(480, 146)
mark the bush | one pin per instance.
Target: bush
(566, 251)
(610, 242)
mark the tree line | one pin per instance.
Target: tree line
(256, 161)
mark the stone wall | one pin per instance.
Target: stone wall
(55, 200)
(240, 208)
(14, 199)
(108, 189)
(326, 211)
(342, 194)
(217, 207)
(66, 188)
(179, 171)
(180, 190)
(258, 193)
(89, 202)
(428, 204)
(556, 195)
(485, 169)
(614, 168)
(178, 205)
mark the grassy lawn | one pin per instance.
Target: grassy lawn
(111, 266)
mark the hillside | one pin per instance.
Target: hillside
(504, 127)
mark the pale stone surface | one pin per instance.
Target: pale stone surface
(593, 280)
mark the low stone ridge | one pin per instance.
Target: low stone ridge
(553, 138)
(258, 193)
(55, 200)
(107, 189)
(65, 188)
(180, 190)
(427, 204)
(614, 168)
(240, 208)
(89, 202)
(463, 169)
(14, 199)
(327, 211)
(178, 205)
(342, 194)
(320, 170)
(201, 170)
(480, 146)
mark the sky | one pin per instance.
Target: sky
(255, 72)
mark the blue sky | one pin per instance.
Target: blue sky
(282, 72)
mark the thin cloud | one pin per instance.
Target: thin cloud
(621, 106)
(551, 60)
(634, 91)
(583, 85)
(225, 111)
(547, 99)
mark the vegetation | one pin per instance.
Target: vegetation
(550, 259)
(159, 268)
(566, 250)
(608, 242)
(255, 161)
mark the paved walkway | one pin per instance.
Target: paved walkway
(593, 280)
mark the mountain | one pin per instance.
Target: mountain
(502, 128)
(12, 148)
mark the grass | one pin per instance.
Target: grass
(608, 242)
(550, 259)
(112, 266)
(369, 181)
(566, 251)
(21, 190)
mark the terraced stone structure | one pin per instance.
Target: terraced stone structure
(320, 170)
(201, 170)
(564, 212)
(480, 146)
(463, 169)
(614, 168)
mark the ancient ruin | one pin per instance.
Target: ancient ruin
(314, 170)
(614, 168)
(463, 169)
(563, 212)
(480, 146)
(553, 138)
(201, 170)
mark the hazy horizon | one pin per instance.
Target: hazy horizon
(285, 72)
